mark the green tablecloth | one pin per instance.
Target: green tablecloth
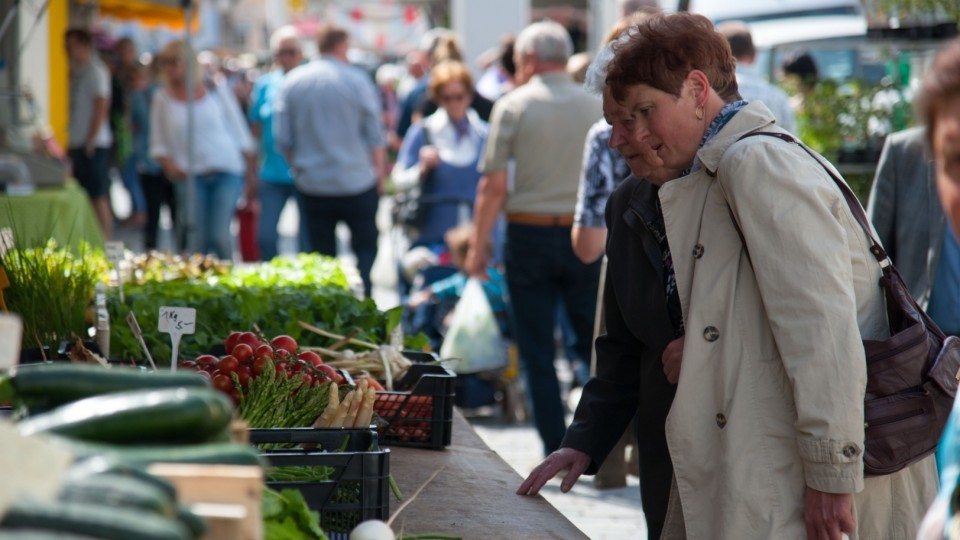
(64, 214)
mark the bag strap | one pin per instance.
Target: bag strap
(852, 202)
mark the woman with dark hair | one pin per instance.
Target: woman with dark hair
(770, 276)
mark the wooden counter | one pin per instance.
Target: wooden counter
(472, 493)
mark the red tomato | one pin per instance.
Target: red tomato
(281, 354)
(205, 374)
(280, 368)
(232, 340)
(235, 396)
(228, 364)
(249, 338)
(207, 360)
(332, 373)
(244, 376)
(260, 365)
(188, 364)
(286, 343)
(307, 379)
(223, 383)
(242, 351)
(263, 351)
(310, 356)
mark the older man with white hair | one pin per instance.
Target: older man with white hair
(276, 182)
(540, 126)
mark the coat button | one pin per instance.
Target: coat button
(698, 251)
(711, 333)
(851, 451)
(721, 421)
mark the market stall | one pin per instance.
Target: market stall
(275, 366)
(63, 214)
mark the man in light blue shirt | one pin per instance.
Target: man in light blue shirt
(276, 186)
(327, 123)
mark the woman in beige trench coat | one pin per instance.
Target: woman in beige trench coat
(766, 430)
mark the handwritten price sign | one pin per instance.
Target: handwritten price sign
(177, 321)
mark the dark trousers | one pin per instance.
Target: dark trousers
(541, 270)
(91, 171)
(158, 191)
(358, 212)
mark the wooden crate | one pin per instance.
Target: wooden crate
(227, 496)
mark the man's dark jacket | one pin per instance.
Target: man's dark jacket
(630, 377)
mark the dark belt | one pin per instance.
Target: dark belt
(540, 220)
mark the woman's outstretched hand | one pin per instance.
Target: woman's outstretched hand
(574, 461)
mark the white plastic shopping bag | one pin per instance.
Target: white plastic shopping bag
(474, 336)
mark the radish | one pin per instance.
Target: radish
(373, 529)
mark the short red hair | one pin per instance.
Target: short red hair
(663, 49)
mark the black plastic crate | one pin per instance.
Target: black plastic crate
(358, 489)
(328, 439)
(419, 412)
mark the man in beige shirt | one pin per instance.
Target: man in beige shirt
(541, 126)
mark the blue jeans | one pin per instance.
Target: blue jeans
(216, 196)
(541, 270)
(273, 197)
(131, 180)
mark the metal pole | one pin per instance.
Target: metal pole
(188, 217)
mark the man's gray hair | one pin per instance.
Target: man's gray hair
(284, 33)
(545, 40)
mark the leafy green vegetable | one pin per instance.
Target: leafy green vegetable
(306, 269)
(222, 308)
(286, 516)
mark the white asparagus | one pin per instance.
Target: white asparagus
(332, 403)
(365, 416)
(341, 415)
(351, 418)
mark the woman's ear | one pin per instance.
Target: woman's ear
(700, 86)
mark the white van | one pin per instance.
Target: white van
(763, 10)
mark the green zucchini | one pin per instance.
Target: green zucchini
(51, 385)
(136, 473)
(209, 454)
(195, 523)
(41, 534)
(93, 520)
(182, 415)
(111, 490)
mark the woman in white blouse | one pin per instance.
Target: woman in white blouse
(441, 153)
(224, 153)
